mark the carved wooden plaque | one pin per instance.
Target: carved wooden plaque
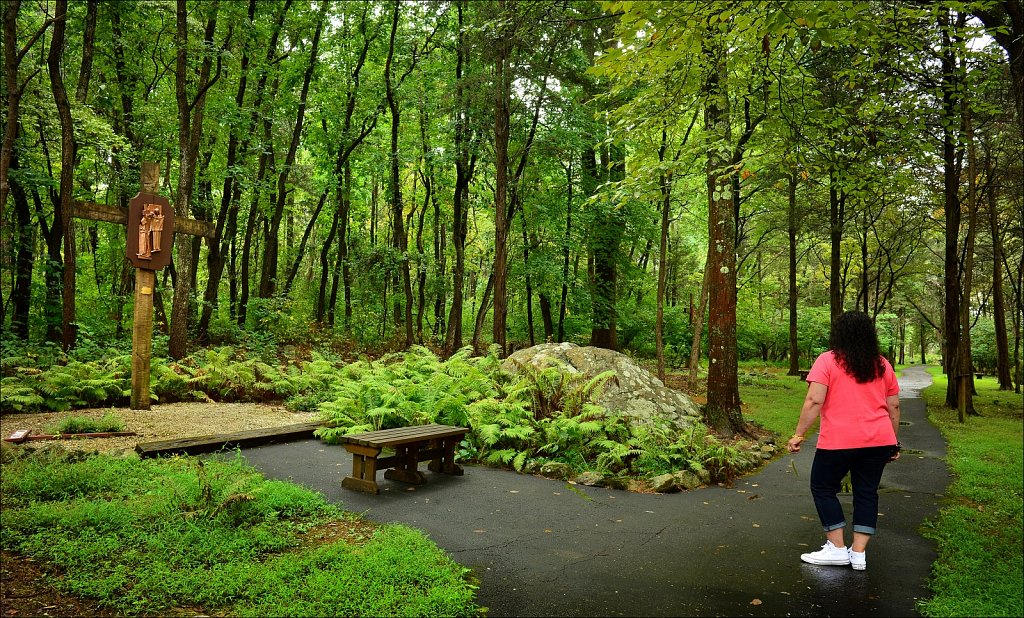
(150, 231)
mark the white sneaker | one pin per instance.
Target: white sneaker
(858, 560)
(828, 554)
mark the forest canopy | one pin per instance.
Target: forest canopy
(694, 182)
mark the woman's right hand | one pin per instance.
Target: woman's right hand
(793, 445)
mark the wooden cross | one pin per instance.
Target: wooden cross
(151, 227)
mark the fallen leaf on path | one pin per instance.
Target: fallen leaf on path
(756, 602)
(479, 531)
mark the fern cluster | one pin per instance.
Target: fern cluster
(539, 416)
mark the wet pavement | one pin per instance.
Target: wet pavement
(547, 548)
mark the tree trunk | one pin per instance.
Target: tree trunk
(965, 387)
(399, 240)
(998, 296)
(67, 173)
(951, 206)
(565, 252)
(794, 345)
(666, 205)
(460, 199)
(190, 129)
(21, 295)
(723, 407)
(837, 216)
(501, 138)
(481, 315)
(698, 322)
(268, 276)
(227, 218)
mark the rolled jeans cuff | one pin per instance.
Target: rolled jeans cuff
(832, 527)
(863, 529)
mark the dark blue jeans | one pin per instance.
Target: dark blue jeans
(865, 466)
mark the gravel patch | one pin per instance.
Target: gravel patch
(162, 422)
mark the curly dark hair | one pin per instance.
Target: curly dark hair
(855, 345)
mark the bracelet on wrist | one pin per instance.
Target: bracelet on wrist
(796, 435)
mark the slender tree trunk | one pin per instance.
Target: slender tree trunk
(67, 173)
(227, 218)
(481, 315)
(998, 296)
(268, 277)
(190, 129)
(21, 295)
(565, 252)
(698, 323)
(463, 176)
(399, 240)
(951, 206)
(501, 138)
(666, 207)
(794, 346)
(965, 386)
(837, 217)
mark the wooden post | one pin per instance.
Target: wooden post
(142, 332)
(149, 250)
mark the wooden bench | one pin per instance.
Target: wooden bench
(411, 445)
(803, 373)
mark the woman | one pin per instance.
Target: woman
(853, 389)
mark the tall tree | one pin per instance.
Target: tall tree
(268, 277)
(190, 130)
(65, 207)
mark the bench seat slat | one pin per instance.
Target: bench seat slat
(403, 435)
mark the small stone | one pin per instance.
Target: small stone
(664, 483)
(556, 470)
(591, 479)
(687, 480)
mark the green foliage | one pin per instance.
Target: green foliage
(147, 536)
(84, 424)
(541, 415)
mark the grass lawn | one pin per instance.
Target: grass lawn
(980, 531)
(159, 537)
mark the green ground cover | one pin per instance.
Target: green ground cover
(146, 537)
(980, 530)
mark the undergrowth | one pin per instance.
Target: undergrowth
(535, 418)
(538, 419)
(149, 537)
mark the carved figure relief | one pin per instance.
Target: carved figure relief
(151, 228)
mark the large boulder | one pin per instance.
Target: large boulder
(633, 391)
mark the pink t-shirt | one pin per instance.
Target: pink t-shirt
(853, 415)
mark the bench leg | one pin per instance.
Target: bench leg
(406, 471)
(446, 463)
(364, 473)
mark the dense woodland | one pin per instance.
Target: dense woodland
(693, 182)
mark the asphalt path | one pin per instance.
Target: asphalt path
(548, 548)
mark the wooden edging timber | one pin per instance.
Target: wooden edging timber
(198, 445)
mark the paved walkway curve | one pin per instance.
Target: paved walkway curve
(546, 548)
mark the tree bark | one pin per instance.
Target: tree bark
(723, 408)
(67, 173)
(190, 129)
(460, 199)
(399, 240)
(268, 277)
(951, 206)
(998, 296)
(792, 229)
(666, 205)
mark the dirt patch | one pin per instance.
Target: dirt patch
(162, 422)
